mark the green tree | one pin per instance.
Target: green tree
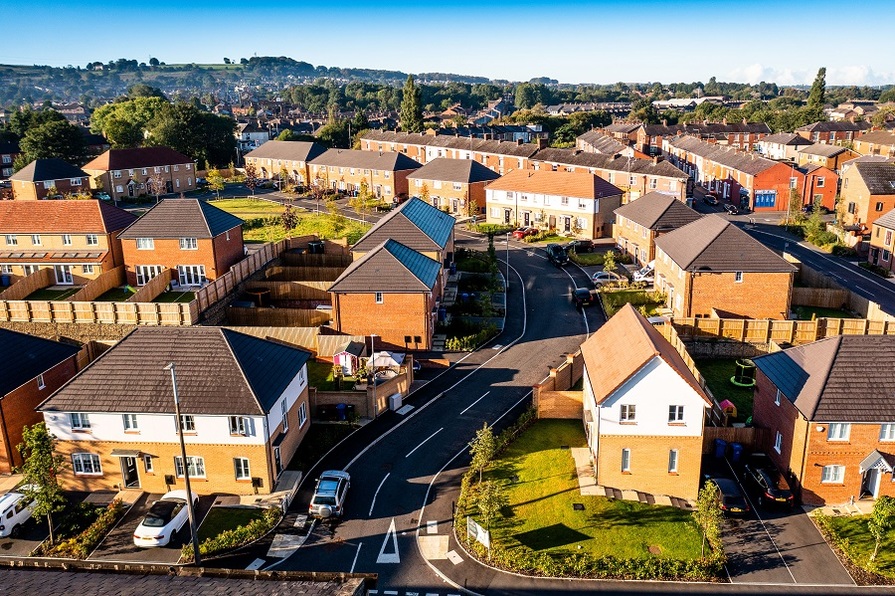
(40, 473)
(411, 113)
(290, 219)
(816, 96)
(362, 202)
(251, 175)
(708, 515)
(482, 449)
(184, 127)
(285, 135)
(126, 123)
(609, 263)
(491, 498)
(57, 138)
(794, 207)
(215, 181)
(881, 520)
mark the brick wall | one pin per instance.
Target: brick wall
(33, 191)
(228, 250)
(649, 464)
(758, 296)
(167, 253)
(398, 316)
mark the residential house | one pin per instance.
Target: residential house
(828, 156)
(739, 135)
(626, 132)
(576, 203)
(882, 242)
(877, 142)
(710, 267)
(77, 239)
(782, 146)
(249, 136)
(454, 185)
(393, 292)
(48, 178)
(855, 110)
(9, 150)
(817, 184)
(198, 240)
(243, 413)
(271, 158)
(644, 411)
(867, 191)
(596, 141)
(640, 222)
(31, 369)
(131, 172)
(832, 133)
(831, 416)
(385, 173)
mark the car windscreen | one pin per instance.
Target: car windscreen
(161, 513)
(324, 500)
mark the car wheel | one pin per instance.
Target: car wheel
(16, 531)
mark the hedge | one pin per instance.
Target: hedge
(237, 537)
(80, 546)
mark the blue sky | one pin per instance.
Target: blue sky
(573, 41)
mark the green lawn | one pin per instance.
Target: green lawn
(717, 373)
(320, 439)
(48, 294)
(643, 300)
(586, 258)
(227, 518)
(540, 480)
(320, 375)
(850, 533)
(806, 313)
(249, 208)
(325, 225)
(115, 295)
(175, 296)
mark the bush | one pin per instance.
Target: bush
(875, 269)
(841, 250)
(470, 342)
(232, 539)
(80, 546)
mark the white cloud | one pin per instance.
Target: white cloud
(858, 74)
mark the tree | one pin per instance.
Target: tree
(153, 62)
(708, 515)
(424, 194)
(289, 218)
(794, 208)
(362, 201)
(491, 499)
(318, 189)
(881, 520)
(286, 135)
(215, 181)
(184, 127)
(411, 113)
(287, 184)
(157, 185)
(609, 261)
(482, 449)
(40, 472)
(817, 94)
(226, 61)
(57, 138)
(251, 174)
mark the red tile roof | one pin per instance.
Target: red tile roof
(141, 157)
(62, 217)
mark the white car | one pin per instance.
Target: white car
(604, 277)
(165, 517)
(646, 274)
(15, 510)
(329, 494)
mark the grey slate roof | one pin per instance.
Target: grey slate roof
(879, 176)
(830, 380)
(658, 211)
(837, 126)
(219, 372)
(23, 357)
(706, 128)
(391, 268)
(290, 150)
(182, 218)
(623, 127)
(390, 161)
(887, 220)
(823, 150)
(713, 244)
(601, 143)
(615, 162)
(465, 171)
(50, 168)
(748, 163)
(878, 137)
(786, 138)
(415, 224)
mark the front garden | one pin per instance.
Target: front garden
(851, 537)
(649, 303)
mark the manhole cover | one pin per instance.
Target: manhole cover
(578, 506)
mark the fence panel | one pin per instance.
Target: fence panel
(99, 286)
(276, 317)
(42, 278)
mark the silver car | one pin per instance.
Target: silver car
(329, 494)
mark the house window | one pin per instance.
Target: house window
(79, 421)
(147, 464)
(156, 170)
(145, 244)
(653, 183)
(885, 256)
(187, 423)
(176, 168)
(284, 412)
(833, 474)
(40, 381)
(145, 171)
(628, 413)
(820, 182)
(238, 425)
(86, 464)
(6, 269)
(35, 239)
(626, 460)
(195, 466)
(738, 277)
(75, 182)
(66, 240)
(778, 442)
(87, 269)
(887, 432)
(130, 422)
(302, 414)
(117, 173)
(241, 465)
(675, 413)
(48, 184)
(564, 201)
(793, 182)
(189, 244)
(11, 240)
(888, 237)
(672, 461)
(839, 431)
(777, 398)
(879, 205)
(378, 297)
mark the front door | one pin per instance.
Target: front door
(526, 218)
(129, 472)
(870, 483)
(506, 216)
(552, 222)
(278, 464)
(147, 272)
(191, 275)
(63, 275)
(567, 224)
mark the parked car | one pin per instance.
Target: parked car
(165, 518)
(646, 273)
(710, 198)
(103, 196)
(557, 255)
(523, 232)
(15, 510)
(767, 481)
(602, 277)
(809, 209)
(731, 209)
(580, 246)
(733, 503)
(329, 494)
(582, 297)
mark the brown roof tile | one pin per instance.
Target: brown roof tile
(62, 217)
(658, 211)
(571, 184)
(140, 157)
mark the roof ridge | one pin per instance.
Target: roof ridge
(224, 335)
(201, 206)
(829, 368)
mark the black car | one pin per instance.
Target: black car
(733, 503)
(731, 209)
(557, 255)
(580, 246)
(582, 297)
(710, 198)
(767, 481)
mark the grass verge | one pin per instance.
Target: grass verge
(646, 302)
(854, 544)
(220, 519)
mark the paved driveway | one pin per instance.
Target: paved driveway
(33, 533)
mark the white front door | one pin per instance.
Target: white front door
(63, 275)
(191, 275)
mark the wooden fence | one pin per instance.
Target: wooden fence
(819, 297)
(40, 279)
(154, 287)
(294, 290)
(99, 286)
(753, 438)
(306, 273)
(117, 313)
(225, 284)
(276, 317)
(294, 259)
(764, 331)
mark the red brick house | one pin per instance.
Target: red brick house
(818, 184)
(832, 133)
(831, 416)
(129, 172)
(45, 177)
(454, 185)
(392, 291)
(31, 369)
(343, 170)
(197, 240)
(882, 242)
(640, 222)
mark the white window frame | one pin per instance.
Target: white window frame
(187, 423)
(627, 413)
(195, 465)
(626, 460)
(778, 442)
(86, 464)
(148, 465)
(284, 412)
(92, 240)
(302, 414)
(79, 421)
(379, 297)
(129, 422)
(738, 277)
(673, 457)
(35, 239)
(145, 243)
(887, 431)
(242, 468)
(41, 382)
(838, 431)
(189, 244)
(675, 414)
(238, 425)
(12, 240)
(777, 398)
(87, 269)
(833, 474)
(66, 240)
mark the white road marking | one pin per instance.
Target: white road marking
(389, 557)
(376, 494)
(474, 403)
(354, 562)
(256, 564)
(424, 442)
(390, 592)
(432, 527)
(454, 557)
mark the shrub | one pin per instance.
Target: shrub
(875, 269)
(80, 546)
(468, 343)
(232, 539)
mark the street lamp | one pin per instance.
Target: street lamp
(373, 370)
(186, 468)
(507, 280)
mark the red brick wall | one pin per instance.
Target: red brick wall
(399, 315)
(228, 250)
(167, 252)
(784, 419)
(808, 187)
(776, 178)
(758, 296)
(18, 410)
(31, 191)
(649, 464)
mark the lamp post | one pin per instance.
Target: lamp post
(507, 280)
(373, 369)
(186, 468)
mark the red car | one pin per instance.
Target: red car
(523, 232)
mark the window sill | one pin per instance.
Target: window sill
(95, 475)
(195, 478)
(677, 424)
(241, 480)
(85, 431)
(625, 473)
(628, 422)
(132, 432)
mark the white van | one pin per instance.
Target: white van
(645, 274)
(15, 510)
